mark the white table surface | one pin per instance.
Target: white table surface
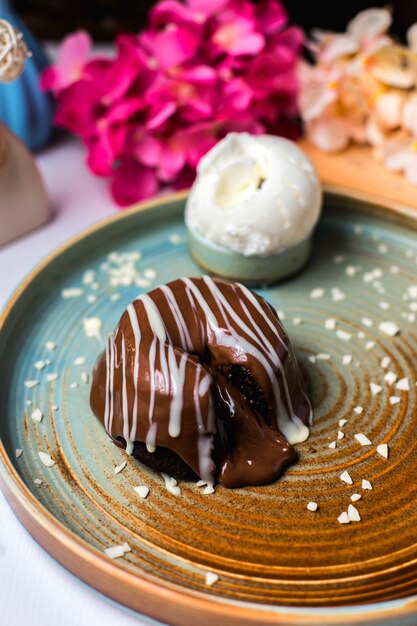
(34, 589)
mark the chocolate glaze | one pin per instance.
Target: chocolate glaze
(203, 373)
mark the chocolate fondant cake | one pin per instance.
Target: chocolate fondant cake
(199, 379)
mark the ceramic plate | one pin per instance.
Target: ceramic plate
(276, 561)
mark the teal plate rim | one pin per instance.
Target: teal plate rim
(162, 599)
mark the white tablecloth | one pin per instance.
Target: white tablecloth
(34, 589)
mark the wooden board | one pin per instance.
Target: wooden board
(356, 170)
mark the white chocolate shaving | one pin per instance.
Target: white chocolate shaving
(389, 328)
(346, 477)
(30, 384)
(120, 467)
(317, 293)
(211, 578)
(353, 514)
(171, 484)
(37, 415)
(46, 459)
(72, 292)
(142, 491)
(363, 439)
(403, 384)
(343, 334)
(382, 450)
(375, 389)
(114, 552)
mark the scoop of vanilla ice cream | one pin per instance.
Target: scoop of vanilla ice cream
(254, 194)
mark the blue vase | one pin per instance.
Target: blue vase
(24, 108)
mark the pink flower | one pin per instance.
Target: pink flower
(199, 70)
(69, 66)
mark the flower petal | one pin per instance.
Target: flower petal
(71, 58)
(411, 36)
(236, 37)
(395, 152)
(74, 49)
(273, 72)
(147, 149)
(124, 110)
(236, 94)
(197, 75)
(196, 140)
(77, 106)
(272, 16)
(133, 182)
(328, 134)
(409, 115)
(369, 24)
(388, 108)
(159, 114)
(355, 129)
(338, 46)
(106, 146)
(375, 135)
(173, 12)
(128, 68)
(171, 162)
(196, 111)
(172, 46)
(185, 179)
(318, 90)
(207, 9)
(49, 80)
(291, 38)
(394, 66)
(411, 164)
(100, 157)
